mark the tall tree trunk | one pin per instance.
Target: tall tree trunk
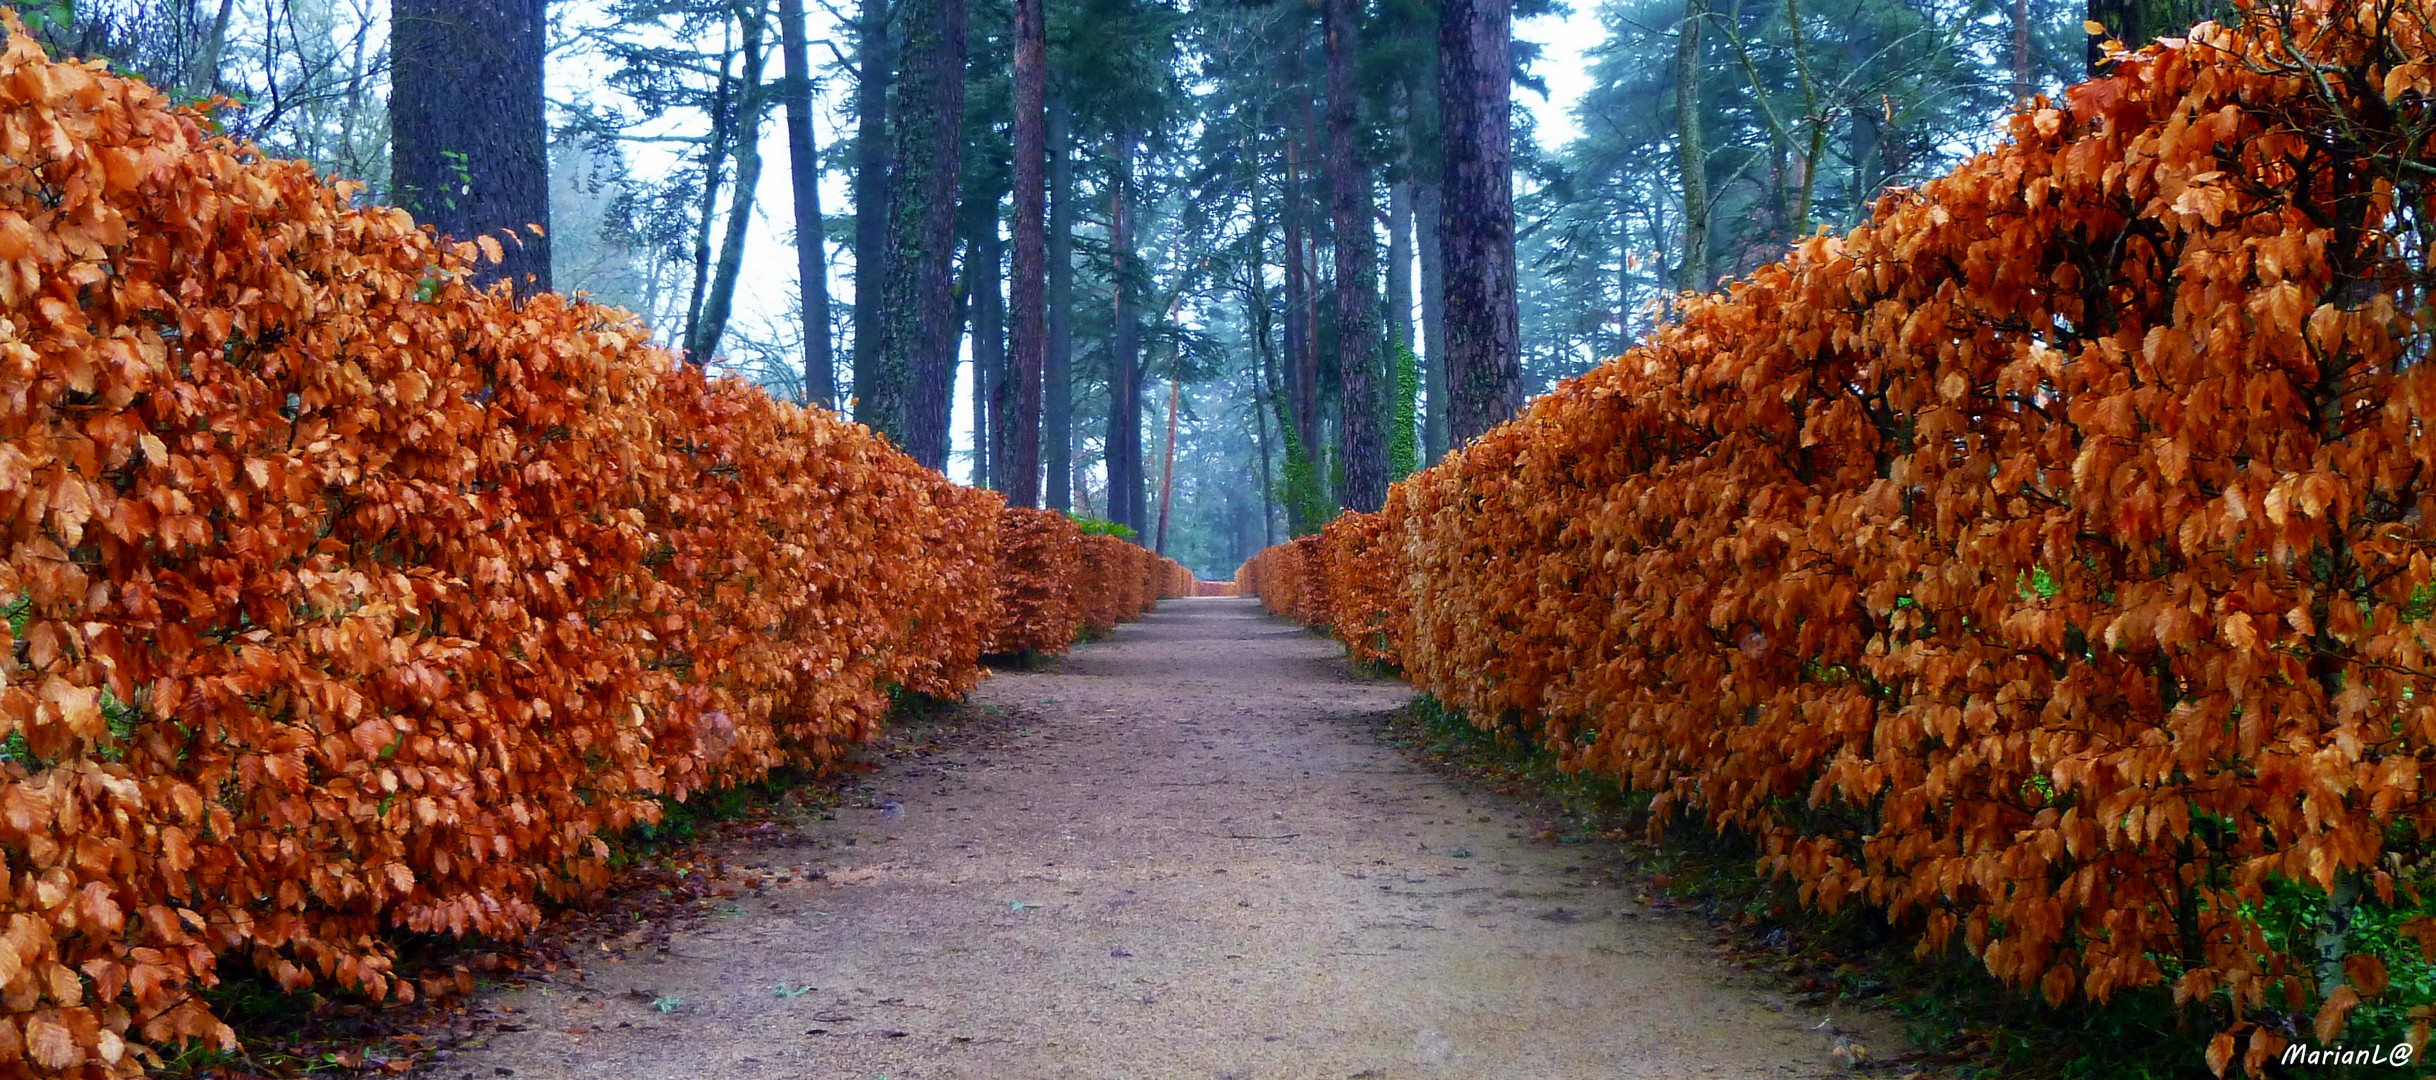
(1627, 277)
(203, 71)
(1476, 220)
(1057, 360)
(1167, 472)
(1435, 437)
(1814, 117)
(1302, 346)
(1364, 454)
(720, 301)
(1423, 150)
(714, 173)
(961, 308)
(916, 366)
(811, 236)
(1307, 202)
(874, 70)
(1403, 389)
(1021, 427)
(1861, 140)
(1247, 538)
(2021, 52)
(1400, 264)
(1298, 423)
(1691, 151)
(989, 352)
(1269, 408)
(1124, 440)
(1265, 397)
(469, 152)
(1289, 212)
(1265, 402)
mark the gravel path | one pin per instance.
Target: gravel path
(1182, 851)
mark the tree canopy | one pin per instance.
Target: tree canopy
(1241, 258)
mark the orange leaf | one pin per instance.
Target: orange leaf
(2366, 972)
(2332, 1014)
(2220, 1052)
(50, 1045)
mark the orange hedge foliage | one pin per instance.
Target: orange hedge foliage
(954, 589)
(347, 598)
(1360, 573)
(1264, 577)
(1106, 588)
(1143, 574)
(1289, 579)
(2048, 561)
(1039, 568)
(1121, 580)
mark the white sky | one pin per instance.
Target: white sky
(1563, 40)
(765, 291)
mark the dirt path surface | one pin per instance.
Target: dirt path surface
(1183, 851)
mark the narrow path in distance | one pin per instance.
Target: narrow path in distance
(1183, 851)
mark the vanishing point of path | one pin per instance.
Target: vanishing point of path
(1182, 851)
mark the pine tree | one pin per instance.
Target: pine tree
(1363, 457)
(811, 239)
(469, 153)
(914, 371)
(1028, 341)
(1476, 215)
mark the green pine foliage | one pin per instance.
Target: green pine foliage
(1403, 449)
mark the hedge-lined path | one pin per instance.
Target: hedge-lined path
(1183, 851)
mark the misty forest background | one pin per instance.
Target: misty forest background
(1249, 217)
